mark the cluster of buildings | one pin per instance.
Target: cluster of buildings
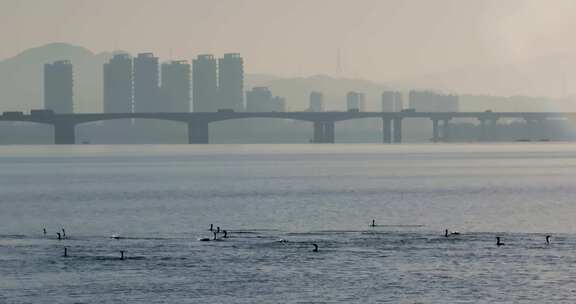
(392, 101)
(141, 84)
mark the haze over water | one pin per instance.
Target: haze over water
(162, 199)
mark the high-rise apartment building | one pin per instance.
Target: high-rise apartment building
(175, 86)
(260, 99)
(355, 101)
(392, 101)
(231, 82)
(118, 81)
(316, 102)
(146, 81)
(59, 86)
(204, 84)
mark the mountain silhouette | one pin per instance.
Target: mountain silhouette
(21, 84)
(21, 77)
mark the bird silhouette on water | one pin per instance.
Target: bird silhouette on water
(498, 242)
(447, 234)
(548, 239)
(373, 223)
(315, 248)
(208, 239)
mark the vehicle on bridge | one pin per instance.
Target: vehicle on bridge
(13, 114)
(41, 112)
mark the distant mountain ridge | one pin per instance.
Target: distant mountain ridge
(21, 77)
(21, 84)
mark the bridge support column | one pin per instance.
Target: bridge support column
(435, 131)
(198, 132)
(534, 128)
(324, 132)
(492, 129)
(330, 132)
(64, 133)
(483, 133)
(318, 132)
(386, 130)
(446, 130)
(397, 130)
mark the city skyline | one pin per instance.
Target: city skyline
(144, 84)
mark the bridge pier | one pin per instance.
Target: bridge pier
(386, 130)
(435, 130)
(64, 133)
(397, 130)
(483, 132)
(324, 132)
(534, 128)
(198, 132)
(487, 128)
(492, 129)
(446, 130)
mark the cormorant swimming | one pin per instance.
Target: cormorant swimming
(315, 248)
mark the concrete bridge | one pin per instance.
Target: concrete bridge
(323, 122)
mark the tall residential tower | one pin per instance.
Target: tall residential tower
(391, 101)
(204, 84)
(146, 89)
(59, 87)
(118, 84)
(231, 82)
(176, 86)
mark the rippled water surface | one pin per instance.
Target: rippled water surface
(276, 201)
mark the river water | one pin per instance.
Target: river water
(275, 201)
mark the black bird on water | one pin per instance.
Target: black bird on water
(63, 233)
(373, 223)
(211, 227)
(65, 252)
(498, 242)
(446, 234)
(59, 235)
(44, 230)
(208, 239)
(315, 248)
(548, 239)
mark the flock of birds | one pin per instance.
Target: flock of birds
(217, 232)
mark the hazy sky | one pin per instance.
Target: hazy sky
(380, 40)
